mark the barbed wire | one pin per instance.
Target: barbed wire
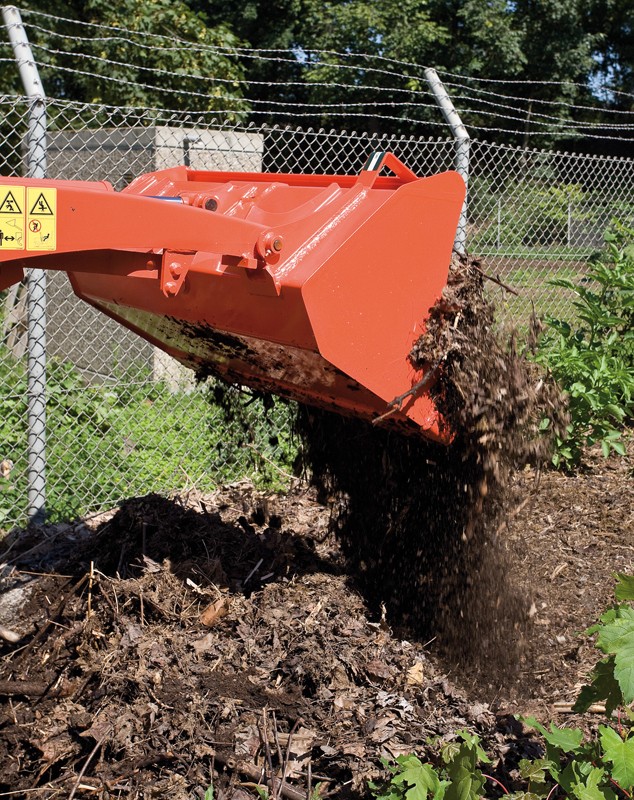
(293, 56)
(357, 88)
(540, 101)
(481, 108)
(536, 118)
(338, 54)
(565, 129)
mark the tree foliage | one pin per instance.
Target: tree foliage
(166, 69)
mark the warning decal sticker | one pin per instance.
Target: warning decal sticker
(12, 217)
(41, 219)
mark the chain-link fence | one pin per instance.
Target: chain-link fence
(123, 418)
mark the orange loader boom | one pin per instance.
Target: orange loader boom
(312, 287)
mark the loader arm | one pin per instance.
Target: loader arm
(313, 287)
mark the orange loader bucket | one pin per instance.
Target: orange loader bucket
(312, 287)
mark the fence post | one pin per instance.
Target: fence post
(36, 278)
(463, 147)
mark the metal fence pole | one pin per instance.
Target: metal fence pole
(463, 147)
(36, 278)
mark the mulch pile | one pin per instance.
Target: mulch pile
(181, 641)
(293, 641)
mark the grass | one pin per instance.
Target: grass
(109, 442)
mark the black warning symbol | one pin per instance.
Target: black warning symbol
(10, 205)
(41, 207)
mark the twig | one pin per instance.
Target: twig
(309, 778)
(278, 746)
(253, 571)
(41, 574)
(93, 752)
(495, 280)
(60, 607)
(27, 689)
(265, 739)
(254, 773)
(288, 751)
(91, 578)
(395, 405)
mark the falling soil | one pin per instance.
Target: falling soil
(419, 522)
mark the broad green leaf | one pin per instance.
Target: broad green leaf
(419, 779)
(533, 770)
(524, 796)
(603, 686)
(566, 739)
(621, 755)
(624, 589)
(209, 793)
(473, 741)
(449, 751)
(624, 666)
(591, 789)
(611, 636)
(465, 785)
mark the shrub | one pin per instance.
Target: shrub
(593, 359)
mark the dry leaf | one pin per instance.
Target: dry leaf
(301, 746)
(214, 612)
(204, 644)
(354, 749)
(378, 669)
(415, 675)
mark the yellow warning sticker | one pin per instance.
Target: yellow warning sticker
(12, 207)
(41, 218)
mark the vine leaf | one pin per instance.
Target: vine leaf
(617, 638)
(420, 779)
(566, 739)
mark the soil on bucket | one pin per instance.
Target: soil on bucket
(293, 640)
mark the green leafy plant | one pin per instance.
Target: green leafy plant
(458, 777)
(107, 442)
(603, 766)
(612, 679)
(593, 359)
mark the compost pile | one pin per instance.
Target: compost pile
(180, 642)
(293, 641)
